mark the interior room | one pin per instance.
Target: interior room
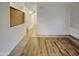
(39, 28)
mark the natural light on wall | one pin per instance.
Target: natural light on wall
(32, 22)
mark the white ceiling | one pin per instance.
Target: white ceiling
(44, 3)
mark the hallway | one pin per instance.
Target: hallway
(39, 29)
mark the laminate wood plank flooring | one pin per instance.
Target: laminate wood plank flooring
(49, 46)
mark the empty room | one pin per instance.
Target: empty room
(39, 28)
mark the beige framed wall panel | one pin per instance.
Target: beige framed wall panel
(16, 17)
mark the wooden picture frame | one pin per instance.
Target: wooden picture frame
(16, 17)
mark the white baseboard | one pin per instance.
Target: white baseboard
(73, 39)
(52, 35)
(62, 36)
(19, 47)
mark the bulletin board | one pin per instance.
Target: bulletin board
(16, 17)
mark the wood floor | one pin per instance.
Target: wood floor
(46, 46)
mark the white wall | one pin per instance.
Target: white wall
(9, 36)
(74, 22)
(32, 15)
(53, 19)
